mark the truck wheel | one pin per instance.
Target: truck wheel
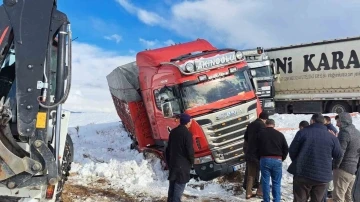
(132, 146)
(339, 107)
(67, 159)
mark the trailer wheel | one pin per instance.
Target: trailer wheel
(339, 107)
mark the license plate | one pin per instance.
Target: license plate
(238, 167)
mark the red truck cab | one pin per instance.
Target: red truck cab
(213, 86)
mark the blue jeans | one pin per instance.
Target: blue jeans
(175, 191)
(271, 167)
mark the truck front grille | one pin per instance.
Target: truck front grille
(226, 138)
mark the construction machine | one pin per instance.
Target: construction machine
(35, 150)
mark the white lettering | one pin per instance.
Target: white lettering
(216, 60)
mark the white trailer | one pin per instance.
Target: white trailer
(318, 77)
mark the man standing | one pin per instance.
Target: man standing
(311, 153)
(303, 124)
(251, 153)
(273, 150)
(346, 167)
(330, 126)
(180, 158)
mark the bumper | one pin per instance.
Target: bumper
(211, 170)
(270, 111)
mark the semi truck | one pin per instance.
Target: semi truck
(318, 77)
(264, 74)
(35, 77)
(212, 85)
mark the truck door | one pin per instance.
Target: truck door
(166, 110)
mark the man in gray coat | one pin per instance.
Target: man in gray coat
(345, 168)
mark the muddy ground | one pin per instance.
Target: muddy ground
(97, 191)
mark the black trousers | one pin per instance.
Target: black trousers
(304, 189)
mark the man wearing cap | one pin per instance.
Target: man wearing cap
(180, 158)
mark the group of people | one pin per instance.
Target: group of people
(324, 161)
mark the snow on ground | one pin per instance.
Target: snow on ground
(102, 151)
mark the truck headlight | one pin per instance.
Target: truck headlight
(269, 104)
(203, 159)
(190, 67)
(239, 55)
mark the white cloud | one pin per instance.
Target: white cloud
(155, 43)
(149, 43)
(115, 37)
(169, 42)
(91, 65)
(149, 18)
(248, 23)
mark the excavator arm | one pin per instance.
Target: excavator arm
(33, 88)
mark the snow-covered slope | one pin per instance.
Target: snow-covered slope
(102, 151)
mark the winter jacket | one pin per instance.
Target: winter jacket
(312, 152)
(332, 128)
(272, 143)
(180, 154)
(349, 138)
(251, 133)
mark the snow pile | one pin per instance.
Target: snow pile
(102, 151)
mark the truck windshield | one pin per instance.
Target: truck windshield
(215, 90)
(263, 71)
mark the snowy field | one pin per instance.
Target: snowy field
(105, 163)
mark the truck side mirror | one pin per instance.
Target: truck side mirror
(166, 109)
(255, 80)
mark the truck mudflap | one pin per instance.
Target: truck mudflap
(211, 170)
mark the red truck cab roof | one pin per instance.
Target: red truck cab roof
(154, 58)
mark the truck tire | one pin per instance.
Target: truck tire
(67, 159)
(339, 107)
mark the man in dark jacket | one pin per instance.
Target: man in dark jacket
(303, 124)
(251, 155)
(180, 158)
(273, 150)
(311, 153)
(330, 126)
(345, 168)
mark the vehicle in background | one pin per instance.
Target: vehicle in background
(318, 77)
(35, 150)
(212, 85)
(263, 73)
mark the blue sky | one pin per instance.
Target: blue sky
(93, 21)
(111, 32)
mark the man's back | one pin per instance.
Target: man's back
(312, 151)
(272, 143)
(251, 138)
(349, 138)
(180, 143)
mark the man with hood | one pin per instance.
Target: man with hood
(345, 168)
